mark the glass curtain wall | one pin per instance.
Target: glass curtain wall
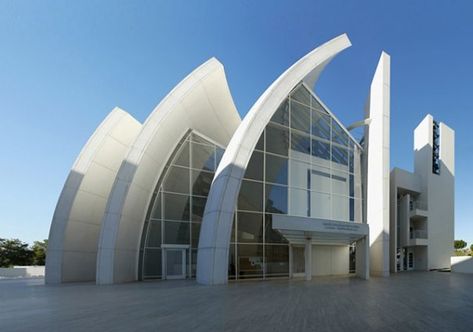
(304, 164)
(177, 206)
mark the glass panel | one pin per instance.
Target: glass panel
(300, 172)
(250, 260)
(302, 95)
(340, 208)
(321, 149)
(182, 157)
(250, 197)
(300, 117)
(352, 185)
(260, 144)
(300, 146)
(250, 227)
(281, 115)
(198, 139)
(231, 262)
(195, 233)
(176, 207)
(340, 183)
(320, 179)
(319, 205)
(198, 207)
(156, 212)
(177, 180)
(276, 169)
(203, 157)
(352, 209)
(219, 154)
(338, 134)
(254, 170)
(154, 234)
(276, 199)
(201, 182)
(317, 106)
(271, 235)
(351, 161)
(176, 232)
(277, 139)
(277, 260)
(152, 263)
(320, 125)
(339, 155)
(299, 202)
(174, 262)
(193, 262)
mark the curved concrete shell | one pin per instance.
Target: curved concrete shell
(201, 102)
(215, 233)
(75, 228)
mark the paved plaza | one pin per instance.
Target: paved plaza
(417, 301)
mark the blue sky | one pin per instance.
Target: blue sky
(65, 64)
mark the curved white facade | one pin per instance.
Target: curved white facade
(74, 233)
(218, 218)
(201, 102)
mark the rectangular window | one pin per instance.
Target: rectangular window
(320, 149)
(276, 169)
(276, 199)
(277, 140)
(300, 117)
(251, 196)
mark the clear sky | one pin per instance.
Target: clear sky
(65, 64)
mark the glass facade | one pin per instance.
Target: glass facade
(177, 206)
(304, 165)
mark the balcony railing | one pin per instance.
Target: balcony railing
(417, 205)
(418, 234)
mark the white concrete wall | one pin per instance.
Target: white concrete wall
(75, 228)
(201, 102)
(22, 272)
(437, 190)
(377, 140)
(330, 260)
(462, 264)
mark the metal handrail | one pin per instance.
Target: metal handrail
(418, 234)
(417, 205)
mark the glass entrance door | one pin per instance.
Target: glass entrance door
(298, 261)
(175, 263)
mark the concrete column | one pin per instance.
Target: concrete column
(362, 258)
(308, 259)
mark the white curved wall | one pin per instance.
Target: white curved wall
(212, 260)
(73, 237)
(202, 101)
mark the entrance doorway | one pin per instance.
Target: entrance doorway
(298, 261)
(174, 263)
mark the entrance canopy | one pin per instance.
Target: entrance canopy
(319, 231)
(309, 231)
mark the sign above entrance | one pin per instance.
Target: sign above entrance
(297, 229)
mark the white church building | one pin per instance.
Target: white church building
(285, 192)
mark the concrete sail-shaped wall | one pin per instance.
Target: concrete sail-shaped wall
(74, 233)
(377, 150)
(201, 102)
(212, 262)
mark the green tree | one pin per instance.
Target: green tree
(14, 252)
(39, 251)
(459, 244)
